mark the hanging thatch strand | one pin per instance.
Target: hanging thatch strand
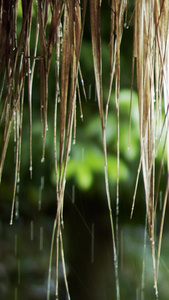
(63, 39)
(151, 52)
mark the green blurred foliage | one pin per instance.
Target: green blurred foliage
(87, 159)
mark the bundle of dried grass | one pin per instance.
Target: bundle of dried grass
(150, 50)
(65, 35)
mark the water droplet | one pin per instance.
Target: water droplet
(42, 181)
(30, 168)
(74, 141)
(17, 207)
(17, 188)
(128, 148)
(42, 160)
(41, 238)
(40, 199)
(117, 206)
(21, 61)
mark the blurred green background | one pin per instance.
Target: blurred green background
(25, 246)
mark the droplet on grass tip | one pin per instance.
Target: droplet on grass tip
(42, 160)
(18, 178)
